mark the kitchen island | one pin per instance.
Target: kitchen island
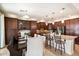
(69, 44)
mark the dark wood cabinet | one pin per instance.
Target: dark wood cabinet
(76, 26)
(24, 25)
(42, 25)
(10, 29)
(72, 26)
(67, 24)
(27, 25)
(59, 25)
(33, 27)
(11, 23)
(38, 26)
(49, 26)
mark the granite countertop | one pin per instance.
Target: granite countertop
(68, 37)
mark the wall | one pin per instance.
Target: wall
(2, 31)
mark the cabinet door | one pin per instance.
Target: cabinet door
(28, 25)
(76, 26)
(42, 25)
(11, 23)
(33, 27)
(67, 24)
(10, 29)
(38, 26)
(50, 26)
(72, 26)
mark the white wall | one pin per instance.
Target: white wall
(2, 31)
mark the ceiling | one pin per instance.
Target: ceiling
(41, 11)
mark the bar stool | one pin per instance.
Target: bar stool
(50, 39)
(59, 43)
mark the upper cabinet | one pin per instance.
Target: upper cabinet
(76, 26)
(33, 25)
(27, 25)
(41, 25)
(72, 26)
(24, 25)
(67, 24)
(49, 26)
(11, 23)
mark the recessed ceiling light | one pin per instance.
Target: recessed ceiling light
(63, 8)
